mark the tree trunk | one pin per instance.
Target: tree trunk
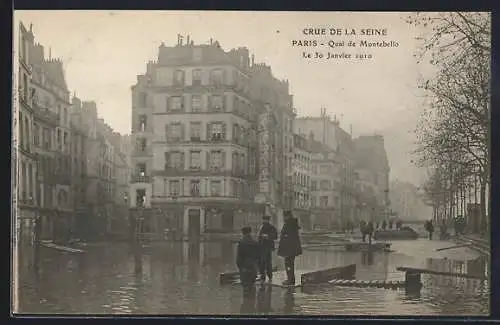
(482, 208)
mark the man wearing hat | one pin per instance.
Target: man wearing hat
(247, 259)
(289, 246)
(267, 235)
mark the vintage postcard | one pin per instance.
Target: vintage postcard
(255, 163)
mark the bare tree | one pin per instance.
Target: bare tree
(454, 130)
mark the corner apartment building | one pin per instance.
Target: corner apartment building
(302, 180)
(27, 179)
(194, 135)
(45, 139)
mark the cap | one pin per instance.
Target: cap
(246, 230)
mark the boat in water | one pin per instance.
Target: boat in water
(402, 234)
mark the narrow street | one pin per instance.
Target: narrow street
(182, 278)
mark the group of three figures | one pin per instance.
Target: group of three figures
(255, 256)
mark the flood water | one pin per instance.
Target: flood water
(182, 278)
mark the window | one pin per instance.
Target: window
(324, 185)
(141, 144)
(323, 201)
(196, 104)
(175, 187)
(216, 160)
(324, 169)
(178, 78)
(217, 77)
(36, 139)
(59, 139)
(140, 197)
(195, 160)
(216, 104)
(65, 141)
(65, 115)
(195, 188)
(176, 131)
(197, 75)
(216, 188)
(234, 188)
(141, 170)
(195, 131)
(217, 131)
(175, 103)
(142, 123)
(177, 160)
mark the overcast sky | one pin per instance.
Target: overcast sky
(103, 51)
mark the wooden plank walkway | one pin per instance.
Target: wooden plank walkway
(368, 284)
(62, 248)
(452, 274)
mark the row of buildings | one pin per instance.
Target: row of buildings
(73, 169)
(217, 143)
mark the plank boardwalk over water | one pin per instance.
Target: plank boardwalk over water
(452, 274)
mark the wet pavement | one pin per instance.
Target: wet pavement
(182, 278)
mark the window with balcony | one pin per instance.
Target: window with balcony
(178, 78)
(324, 185)
(215, 188)
(28, 133)
(216, 160)
(175, 104)
(195, 188)
(142, 123)
(195, 160)
(141, 170)
(177, 159)
(217, 131)
(195, 128)
(216, 103)
(217, 77)
(324, 169)
(197, 75)
(174, 188)
(196, 103)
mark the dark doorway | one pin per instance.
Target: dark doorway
(227, 221)
(194, 228)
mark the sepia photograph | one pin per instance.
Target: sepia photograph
(258, 163)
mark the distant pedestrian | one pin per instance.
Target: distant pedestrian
(362, 226)
(390, 224)
(368, 231)
(378, 225)
(384, 225)
(399, 224)
(247, 259)
(267, 235)
(289, 246)
(429, 227)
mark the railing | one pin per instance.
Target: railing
(141, 179)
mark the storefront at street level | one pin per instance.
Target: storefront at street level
(191, 220)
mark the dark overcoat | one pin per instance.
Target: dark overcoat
(289, 244)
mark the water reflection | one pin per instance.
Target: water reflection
(182, 278)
